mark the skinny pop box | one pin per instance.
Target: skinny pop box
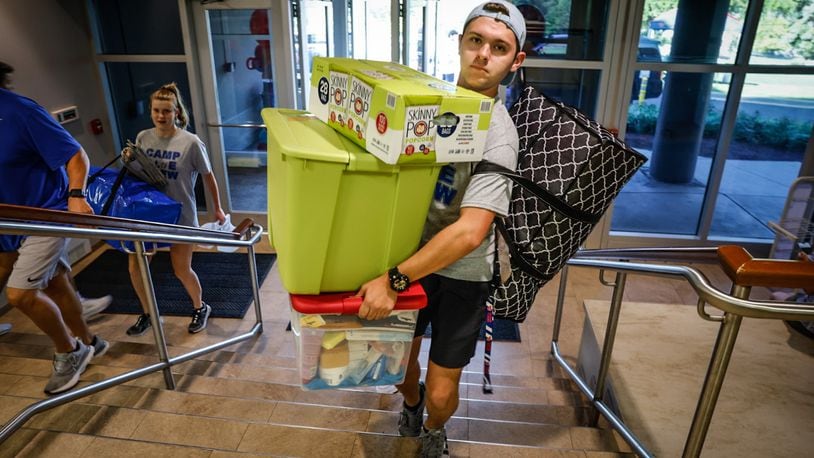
(399, 114)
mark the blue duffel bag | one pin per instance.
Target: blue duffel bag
(134, 199)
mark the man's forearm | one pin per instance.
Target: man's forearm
(77, 170)
(451, 244)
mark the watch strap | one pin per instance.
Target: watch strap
(77, 192)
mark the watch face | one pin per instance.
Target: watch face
(399, 284)
(398, 281)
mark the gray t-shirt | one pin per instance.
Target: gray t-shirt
(457, 188)
(180, 158)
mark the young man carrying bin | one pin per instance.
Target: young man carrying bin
(455, 261)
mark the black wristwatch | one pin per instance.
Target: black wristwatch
(77, 192)
(398, 281)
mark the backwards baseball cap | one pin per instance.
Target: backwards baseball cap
(504, 12)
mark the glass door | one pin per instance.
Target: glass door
(246, 65)
(253, 55)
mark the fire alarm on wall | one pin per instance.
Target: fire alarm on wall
(96, 126)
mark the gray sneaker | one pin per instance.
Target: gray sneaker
(199, 318)
(92, 307)
(68, 367)
(100, 346)
(434, 443)
(410, 422)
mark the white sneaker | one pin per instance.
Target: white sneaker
(92, 307)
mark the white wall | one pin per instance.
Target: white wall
(48, 42)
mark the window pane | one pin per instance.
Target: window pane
(678, 131)
(699, 32)
(317, 27)
(371, 30)
(242, 56)
(415, 48)
(450, 17)
(122, 29)
(562, 29)
(578, 88)
(771, 131)
(785, 35)
(130, 87)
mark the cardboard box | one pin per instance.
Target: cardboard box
(399, 114)
(337, 349)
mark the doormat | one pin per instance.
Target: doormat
(224, 278)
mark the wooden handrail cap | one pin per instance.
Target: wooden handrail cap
(744, 270)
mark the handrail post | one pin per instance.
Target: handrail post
(255, 287)
(560, 301)
(152, 308)
(719, 361)
(610, 337)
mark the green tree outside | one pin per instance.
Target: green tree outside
(785, 24)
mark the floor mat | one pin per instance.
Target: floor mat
(223, 276)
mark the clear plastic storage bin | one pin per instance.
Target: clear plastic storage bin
(337, 349)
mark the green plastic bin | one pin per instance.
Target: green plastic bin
(338, 216)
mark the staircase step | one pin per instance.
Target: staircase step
(281, 387)
(231, 363)
(48, 443)
(246, 399)
(323, 426)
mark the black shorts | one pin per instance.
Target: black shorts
(456, 309)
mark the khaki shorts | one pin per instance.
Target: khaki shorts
(38, 262)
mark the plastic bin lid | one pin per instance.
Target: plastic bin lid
(300, 134)
(348, 304)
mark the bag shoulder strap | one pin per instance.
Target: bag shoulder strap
(555, 202)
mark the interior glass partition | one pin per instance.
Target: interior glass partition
(652, 201)
(772, 128)
(727, 131)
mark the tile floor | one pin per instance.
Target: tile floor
(244, 399)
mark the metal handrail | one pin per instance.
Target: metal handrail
(33, 221)
(706, 292)
(51, 230)
(661, 254)
(734, 307)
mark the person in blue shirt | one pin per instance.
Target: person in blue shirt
(42, 166)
